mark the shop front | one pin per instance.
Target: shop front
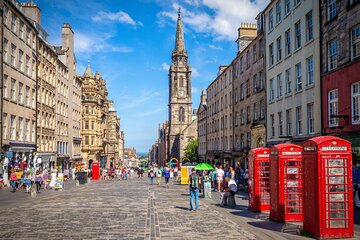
(63, 161)
(44, 160)
(19, 154)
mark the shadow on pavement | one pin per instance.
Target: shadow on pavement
(289, 228)
(182, 208)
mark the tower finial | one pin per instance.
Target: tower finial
(179, 12)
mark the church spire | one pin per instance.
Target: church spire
(179, 42)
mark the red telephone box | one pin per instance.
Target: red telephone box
(286, 183)
(95, 171)
(327, 189)
(259, 184)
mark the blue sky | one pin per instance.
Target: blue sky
(130, 42)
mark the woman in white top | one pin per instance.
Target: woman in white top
(53, 179)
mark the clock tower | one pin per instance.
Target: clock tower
(180, 103)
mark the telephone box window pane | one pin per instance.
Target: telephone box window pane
(337, 180)
(337, 197)
(335, 163)
(337, 223)
(337, 206)
(337, 215)
(336, 171)
(335, 188)
(292, 171)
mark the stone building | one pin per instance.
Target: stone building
(114, 135)
(292, 71)
(94, 114)
(340, 68)
(249, 92)
(67, 56)
(162, 144)
(102, 140)
(182, 126)
(202, 125)
(220, 117)
(19, 84)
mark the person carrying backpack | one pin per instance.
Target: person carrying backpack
(194, 182)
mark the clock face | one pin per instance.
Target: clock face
(181, 93)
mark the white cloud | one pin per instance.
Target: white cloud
(194, 90)
(91, 43)
(138, 100)
(222, 18)
(195, 72)
(152, 112)
(165, 66)
(215, 47)
(120, 16)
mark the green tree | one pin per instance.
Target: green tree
(191, 150)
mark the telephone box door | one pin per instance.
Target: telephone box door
(95, 171)
(338, 194)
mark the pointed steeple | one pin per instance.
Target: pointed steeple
(88, 72)
(179, 42)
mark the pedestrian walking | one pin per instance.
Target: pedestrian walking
(13, 180)
(159, 175)
(151, 176)
(194, 182)
(166, 175)
(219, 177)
(45, 178)
(28, 182)
(38, 180)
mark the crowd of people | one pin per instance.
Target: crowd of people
(28, 179)
(156, 174)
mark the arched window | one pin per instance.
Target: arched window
(181, 81)
(181, 114)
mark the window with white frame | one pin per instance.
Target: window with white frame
(288, 122)
(5, 126)
(27, 64)
(310, 70)
(279, 86)
(13, 23)
(27, 130)
(248, 112)
(271, 19)
(33, 98)
(310, 118)
(33, 126)
(5, 86)
(242, 116)
(272, 90)
(298, 121)
(331, 9)
(355, 42)
(262, 109)
(298, 77)
(288, 81)
(288, 42)
(254, 53)
(355, 103)
(12, 90)
(287, 7)
(333, 108)
(12, 55)
(279, 50)
(278, 11)
(12, 127)
(271, 54)
(27, 96)
(21, 29)
(6, 13)
(242, 91)
(332, 54)
(298, 34)
(255, 83)
(27, 35)
(309, 26)
(296, 2)
(5, 46)
(20, 129)
(256, 111)
(280, 117)
(33, 69)
(272, 123)
(21, 60)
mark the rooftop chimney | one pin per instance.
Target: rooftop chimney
(32, 11)
(246, 33)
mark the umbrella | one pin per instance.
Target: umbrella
(203, 166)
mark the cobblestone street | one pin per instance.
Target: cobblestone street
(115, 210)
(130, 210)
